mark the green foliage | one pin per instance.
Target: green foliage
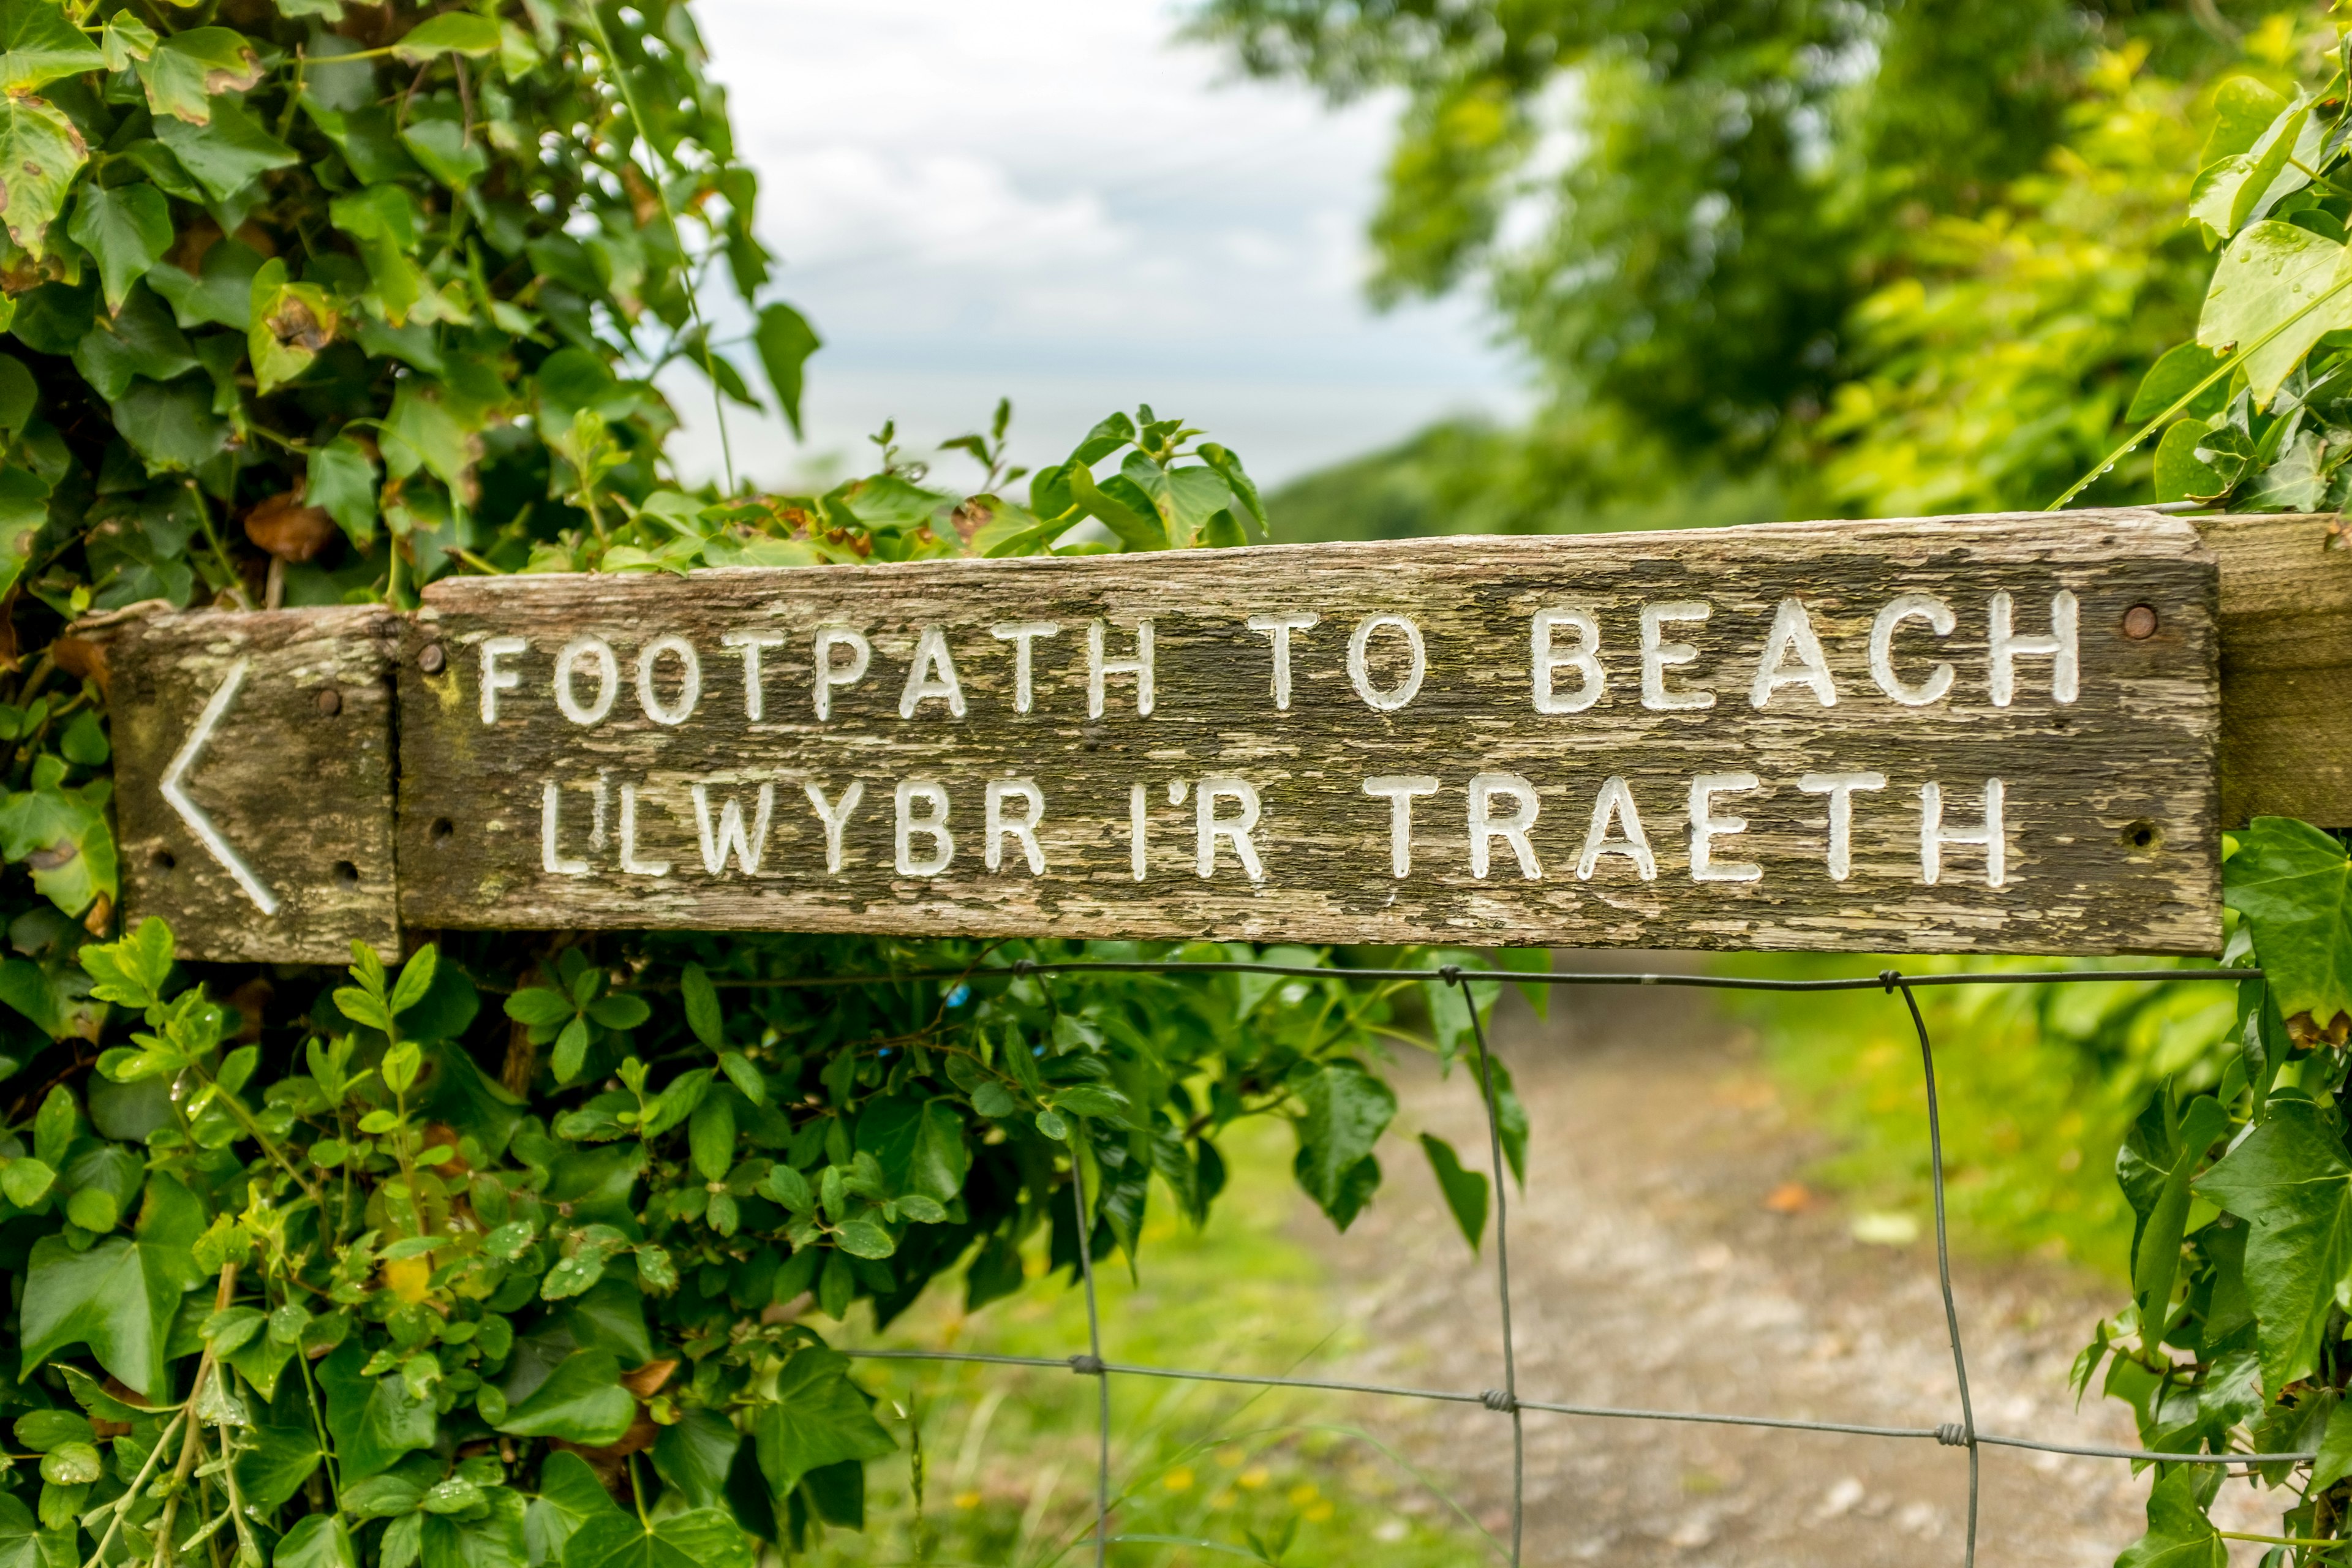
(314, 305)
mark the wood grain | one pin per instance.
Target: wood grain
(2112, 805)
(303, 794)
(2286, 668)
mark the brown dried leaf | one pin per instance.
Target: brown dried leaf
(283, 526)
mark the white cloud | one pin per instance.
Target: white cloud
(1051, 199)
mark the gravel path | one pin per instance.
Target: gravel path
(1665, 1255)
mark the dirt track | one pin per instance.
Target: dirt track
(1649, 1271)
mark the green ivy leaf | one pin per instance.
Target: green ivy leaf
(140, 340)
(342, 479)
(711, 1137)
(187, 70)
(2160, 1157)
(581, 1401)
(25, 1544)
(571, 1050)
(818, 1417)
(372, 1420)
(292, 322)
(703, 1014)
(2294, 885)
(2288, 1180)
(785, 340)
(2271, 271)
(2178, 1533)
(228, 154)
(125, 39)
(170, 426)
(317, 1540)
(42, 151)
(24, 512)
(38, 44)
(1465, 1190)
(490, 1534)
(696, 1454)
(1346, 1111)
(451, 32)
(698, 1538)
(63, 835)
(121, 1297)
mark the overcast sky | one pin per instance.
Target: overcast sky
(1050, 199)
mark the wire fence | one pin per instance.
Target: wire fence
(1506, 1399)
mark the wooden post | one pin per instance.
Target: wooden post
(2286, 668)
(254, 778)
(1001, 768)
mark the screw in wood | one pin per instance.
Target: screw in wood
(2140, 622)
(330, 702)
(432, 658)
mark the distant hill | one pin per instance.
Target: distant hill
(1471, 476)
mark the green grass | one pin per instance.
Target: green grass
(2037, 1087)
(1200, 1474)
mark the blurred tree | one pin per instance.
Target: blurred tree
(1676, 207)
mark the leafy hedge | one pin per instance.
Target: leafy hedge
(315, 303)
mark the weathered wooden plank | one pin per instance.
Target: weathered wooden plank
(2286, 668)
(514, 815)
(254, 779)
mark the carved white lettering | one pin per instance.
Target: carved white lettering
(1023, 829)
(630, 860)
(549, 861)
(2058, 645)
(755, 697)
(1400, 788)
(1841, 788)
(1615, 806)
(1992, 833)
(1940, 620)
(1792, 633)
(730, 835)
(931, 675)
(1279, 628)
(495, 679)
(1585, 661)
(1659, 656)
(832, 676)
(1486, 827)
(689, 680)
(1022, 636)
(932, 822)
(1705, 827)
(1099, 670)
(1134, 824)
(598, 653)
(835, 818)
(1235, 830)
(1359, 669)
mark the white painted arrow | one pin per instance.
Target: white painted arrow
(198, 823)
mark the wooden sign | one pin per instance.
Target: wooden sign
(1967, 734)
(254, 779)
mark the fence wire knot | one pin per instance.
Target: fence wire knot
(1086, 1365)
(1451, 974)
(1025, 966)
(1890, 978)
(1499, 1399)
(1952, 1435)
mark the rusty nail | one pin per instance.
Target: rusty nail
(432, 658)
(330, 702)
(2140, 622)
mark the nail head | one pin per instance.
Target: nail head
(330, 702)
(431, 659)
(2140, 622)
